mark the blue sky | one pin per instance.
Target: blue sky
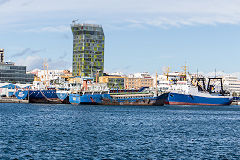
(141, 35)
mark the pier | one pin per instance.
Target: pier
(12, 100)
(235, 103)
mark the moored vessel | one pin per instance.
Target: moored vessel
(192, 99)
(146, 99)
(198, 95)
(39, 96)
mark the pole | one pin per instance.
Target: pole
(44, 73)
(47, 76)
(156, 90)
(197, 72)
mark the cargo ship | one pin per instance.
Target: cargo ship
(141, 98)
(118, 98)
(98, 97)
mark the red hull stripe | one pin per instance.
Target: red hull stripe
(75, 103)
(184, 103)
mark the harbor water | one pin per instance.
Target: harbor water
(40, 131)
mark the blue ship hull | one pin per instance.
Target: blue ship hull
(187, 99)
(85, 99)
(107, 99)
(91, 99)
(64, 97)
(21, 94)
(39, 96)
(74, 99)
(134, 100)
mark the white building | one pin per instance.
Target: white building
(117, 74)
(140, 75)
(231, 84)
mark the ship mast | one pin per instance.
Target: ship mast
(97, 76)
(185, 72)
(156, 89)
(48, 83)
(167, 72)
(44, 65)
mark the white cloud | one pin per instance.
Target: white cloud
(33, 62)
(158, 13)
(219, 74)
(60, 28)
(165, 22)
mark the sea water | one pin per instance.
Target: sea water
(42, 131)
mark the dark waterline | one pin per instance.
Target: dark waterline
(37, 131)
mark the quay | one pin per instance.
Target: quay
(12, 100)
(235, 103)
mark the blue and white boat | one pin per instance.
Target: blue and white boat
(39, 96)
(198, 95)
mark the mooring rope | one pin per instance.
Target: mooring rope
(47, 98)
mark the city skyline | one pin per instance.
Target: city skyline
(139, 35)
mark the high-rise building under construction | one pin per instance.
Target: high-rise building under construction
(88, 50)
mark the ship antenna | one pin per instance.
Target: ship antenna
(156, 90)
(74, 21)
(185, 71)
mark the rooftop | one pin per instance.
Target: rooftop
(84, 24)
(8, 63)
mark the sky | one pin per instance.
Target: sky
(140, 35)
